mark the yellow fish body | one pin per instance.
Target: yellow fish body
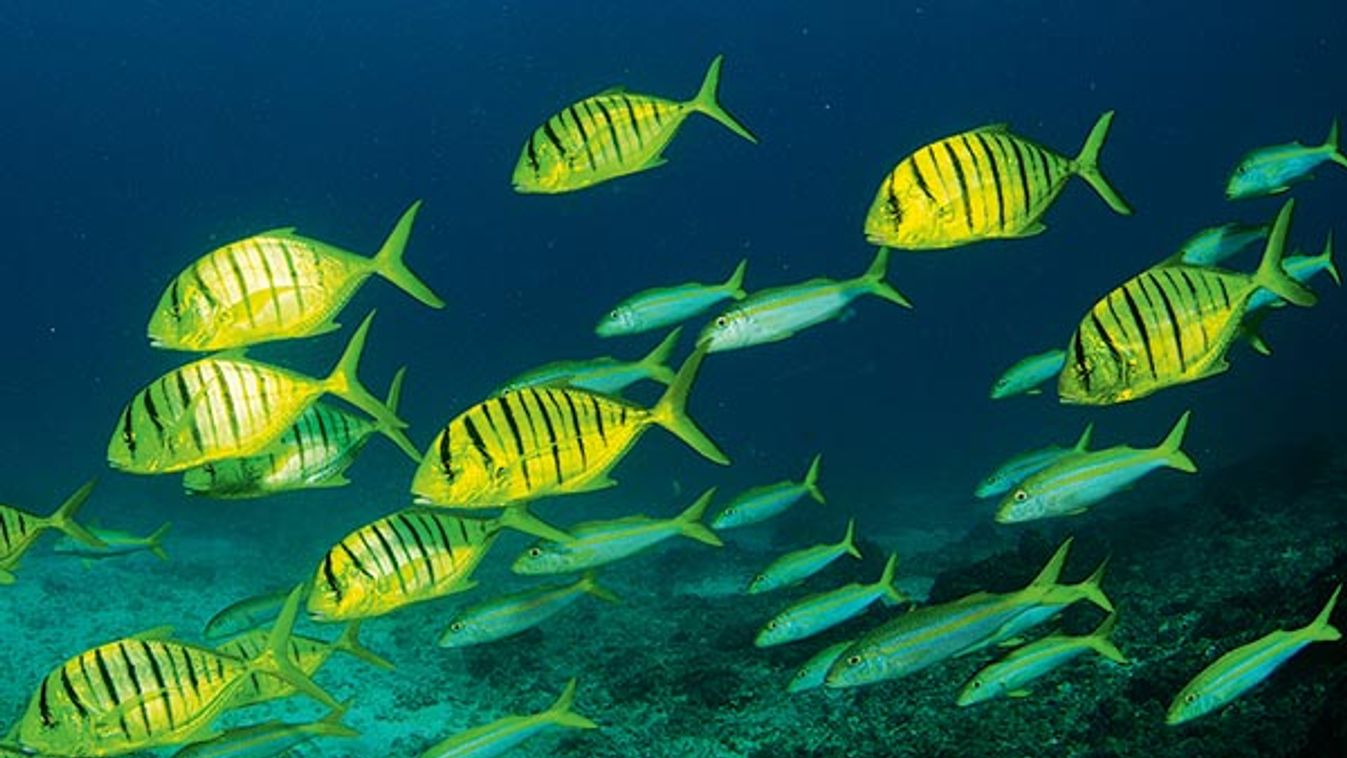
(982, 184)
(19, 530)
(274, 285)
(1169, 325)
(612, 134)
(540, 441)
(227, 406)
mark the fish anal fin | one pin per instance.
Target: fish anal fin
(1032, 230)
(1019, 693)
(655, 162)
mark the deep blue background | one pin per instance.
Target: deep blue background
(137, 136)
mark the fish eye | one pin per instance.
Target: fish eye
(759, 578)
(614, 314)
(771, 624)
(457, 626)
(977, 683)
(854, 660)
(721, 321)
(1021, 496)
(535, 552)
(1191, 697)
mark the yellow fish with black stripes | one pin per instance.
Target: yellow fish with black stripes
(1169, 325)
(541, 441)
(612, 134)
(272, 286)
(227, 406)
(982, 184)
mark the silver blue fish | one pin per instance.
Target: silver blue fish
(267, 740)
(810, 676)
(118, 543)
(606, 375)
(1010, 676)
(1215, 244)
(511, 614)
(501, 735)
(1025, 376)
(796, 566)
(665, 306)
(1302, 268)
(1024, 465)
(818, 613)
(1272, 170)
(769, 500)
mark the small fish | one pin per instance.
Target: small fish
(1301, 268)
(665, 306)
(817, 613)
(1024, 377)
(314, 452)
(1074, 483)
(272, 286)
(597, 543)
(248, 613)
(227, 406)
(306, 653)
(1213, 245)
(612, 134)
(1169, 325)
(983, 184)
(1246, 666)
(543, 441)
(267, 740)
(606, 375)
(1024, 465)
(511, 614)
(775, 314)
(769, 500)
(797, 566)
(1272, 170)
(1010, 675)
(503, 734)
(811, 674)
(19, 530)
(118, 544)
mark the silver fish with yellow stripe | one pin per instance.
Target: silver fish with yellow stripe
(605, 374)
(818, 613)
(798, 565)
(271, 739)
(502, 735)
(516, 612)
(1011, 675)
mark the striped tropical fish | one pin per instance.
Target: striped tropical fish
(612, 134)
(227, 406)
(149, 691)
(1169, 325)
(19, 530)
(274, 285)
(542, 441)
(314, 452)
(306, 653)
(982, 184)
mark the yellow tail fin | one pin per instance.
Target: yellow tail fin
(64, 518)
(388, 261)
(274, 660)
(690, 521)
(708, 101)
(561, 714)
(345, 384)
(1175, 457)
(670, 412)
(1270, 274)
(1086, 165)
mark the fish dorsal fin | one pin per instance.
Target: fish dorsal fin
(157, 633)
(1001, 127)
(616, 89)
(280, 231)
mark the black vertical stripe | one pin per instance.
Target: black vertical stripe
(195, 270)
(996, 180)
(388, 551)
(1024, 176)
(231, 254)
(175, 297)
(230, 412)
(533, 152)
(1107, 339)
(153, 413)
(979, 175)
(963, 185)
(552, 136)
(921, 183)
(4, 529)
(271, 280)
(1197, 303)
(551, 433)
(43, 707)
(1082, 369)
(128, 434)
(612, 129)
(111, 688)
(518, 440)
(654, 111)
(191, 672)
(444, 538)
(1225, 294)
(939, 175)
(635, 122)
(1141, 327)
(331, 576)
(159, 679)
(445, 452)
(1173, 320)
(135, 684)
(579, 434)
(475, 435)
(420, 546)
(294, 276)
(355, 561)
(598, 418)
(584, 136)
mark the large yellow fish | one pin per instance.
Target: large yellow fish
(227, 406)
(272, 286)
(612, 134)
(983, 184)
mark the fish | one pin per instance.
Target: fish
(269, 739)
(314, 452)
(665, 306)
(118, 544)
(983, 184)
(243, 615)
(817, 613)
(1026, 464)
(543, 441)
(761, 503)
(1169, 325)
(1243, 668)
(923, 637)
(19, 530)
(511, 614)
(604, 375)
(1272, 170)
(501, 735)
(1215, 244)
(775, 314)
(1027, 373)
(228, 406)
(1011, 675)
(597, 543)
(1301, 268)
(273, 286)
(149, 691)
(306, 653)
(411, 556)
(799, 565)
(810, 676)
(1073, 483)
(613, 134)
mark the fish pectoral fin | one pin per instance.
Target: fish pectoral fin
(655, 162)
(336, 480)
(602, 483)
(616, 89)
(1078, 511)
(1012, 642)
(1019, 693)
(323, 328)
(1032, 230)
(6, 577)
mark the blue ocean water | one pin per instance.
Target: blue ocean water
(137, 136)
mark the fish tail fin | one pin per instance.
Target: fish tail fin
(155, 542)
(331, 725)
(1084, 442)
(892, 595)
(849, 540)
(516, 516)
(708, 101)
(1091, 588)
(560, 712)
(1099, 640)
(670, 412)
(64, 518)
(393, 433)
(589, 584)
(1086, 165)
(1331, 145)
(1052, 570)
(1319, 630)
(388, 261)
(274, 659)
(349, 643)
(1270, 274)
(690, 521)
(1251, 331)
(872, 280)
(345, 384)
(1326, 257)
(735, 284)
(657, 359)
(1170, 447)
